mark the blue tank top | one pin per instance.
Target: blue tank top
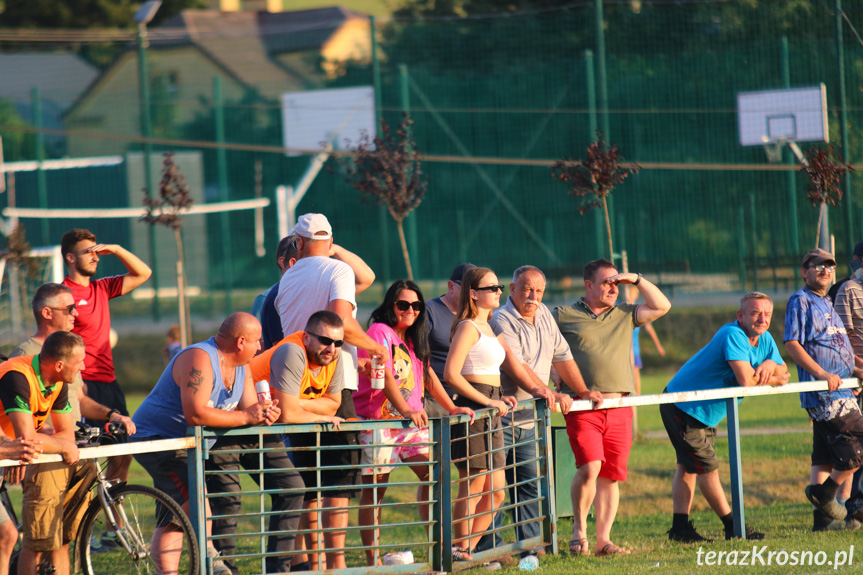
(162, 411)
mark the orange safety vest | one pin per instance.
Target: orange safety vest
(312, 386)
(41, 398)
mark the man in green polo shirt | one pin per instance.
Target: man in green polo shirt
(599, 333)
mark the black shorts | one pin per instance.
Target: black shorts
(108, 394)
(334, 472)
(483, 439)
(692, 440)
(839, 441)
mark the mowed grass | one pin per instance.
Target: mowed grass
(775, 473)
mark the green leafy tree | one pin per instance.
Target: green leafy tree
(17, 144)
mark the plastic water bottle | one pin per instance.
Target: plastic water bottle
(529, 563)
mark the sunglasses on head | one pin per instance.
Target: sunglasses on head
(492, 289)
(326, 341)
(404, 305)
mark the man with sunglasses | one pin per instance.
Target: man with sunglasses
(599, 333)
(816, 340)
(305, 377)
(55, 310)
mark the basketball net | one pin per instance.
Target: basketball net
(774, 150)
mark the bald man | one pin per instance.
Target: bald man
(208, 384)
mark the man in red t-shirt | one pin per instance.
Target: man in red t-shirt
(81, 257)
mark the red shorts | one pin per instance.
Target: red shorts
(603, 435)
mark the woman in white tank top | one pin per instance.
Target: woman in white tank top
(473, 371)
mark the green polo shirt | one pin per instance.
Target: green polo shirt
(601, 345)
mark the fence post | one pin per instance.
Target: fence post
(441, 559)
(197, 504)
(546, 476)
(736, 465)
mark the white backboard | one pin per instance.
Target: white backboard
(316, 116)
(793, 114)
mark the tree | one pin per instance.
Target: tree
(166, 210)
(387, 170)
(825, 169)
(594, 178)
(84, 13)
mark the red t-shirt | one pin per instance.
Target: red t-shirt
(93, 324)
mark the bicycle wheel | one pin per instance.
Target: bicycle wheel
(142, 512)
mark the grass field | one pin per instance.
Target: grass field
(776, 469)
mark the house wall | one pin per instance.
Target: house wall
(180, 78)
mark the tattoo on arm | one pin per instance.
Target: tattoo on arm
(195, 380)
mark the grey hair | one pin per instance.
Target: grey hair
(523, 270)
(752, 296)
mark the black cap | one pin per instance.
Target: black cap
(459, 270)
(858, 250)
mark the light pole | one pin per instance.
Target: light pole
(142, 17)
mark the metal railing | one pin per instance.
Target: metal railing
(438, 541)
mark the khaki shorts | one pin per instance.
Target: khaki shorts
(45, 488)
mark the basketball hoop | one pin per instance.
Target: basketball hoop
(773, 150)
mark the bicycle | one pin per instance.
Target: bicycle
(131, 513)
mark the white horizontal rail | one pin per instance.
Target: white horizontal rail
(580, 405)
(217, 207)
(118, 449)
(62, 164)
(723, 393)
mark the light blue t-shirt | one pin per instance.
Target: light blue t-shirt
(709, 369)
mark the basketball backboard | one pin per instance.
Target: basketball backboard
(788, 115)
(311, 118)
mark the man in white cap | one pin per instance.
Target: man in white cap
(323, 279)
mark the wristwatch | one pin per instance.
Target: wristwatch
(635, 283)
(110, 413)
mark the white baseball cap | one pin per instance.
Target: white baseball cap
(313, 226)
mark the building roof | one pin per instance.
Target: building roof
(243, 43)
(61, 78)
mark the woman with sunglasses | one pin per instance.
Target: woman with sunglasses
(399, 323)
(473, 371)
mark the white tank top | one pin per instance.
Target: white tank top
(485, 356)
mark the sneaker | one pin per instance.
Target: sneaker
(219, 566)
(459, 554)
(852, 524)
(107, 543)
(830, 507)
(751, 534)
(687, 535)
(833, 525)
(492, 566)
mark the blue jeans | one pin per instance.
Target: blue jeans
(523, 472)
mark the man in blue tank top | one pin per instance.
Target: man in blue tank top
(208, 384)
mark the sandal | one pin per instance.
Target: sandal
(578, 547)
(610, 549)
(459, 554)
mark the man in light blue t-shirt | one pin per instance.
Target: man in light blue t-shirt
(741, 353)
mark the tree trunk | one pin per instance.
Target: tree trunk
(818, 227)
(608, 229)
(185, 320)
(405, 249)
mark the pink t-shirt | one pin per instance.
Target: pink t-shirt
(407, 370)
(93, 324)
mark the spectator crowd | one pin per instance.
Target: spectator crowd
(465, 351)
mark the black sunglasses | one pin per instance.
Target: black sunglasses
(67, 308)
(404, 305)
(326, 341)
(492, 289)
